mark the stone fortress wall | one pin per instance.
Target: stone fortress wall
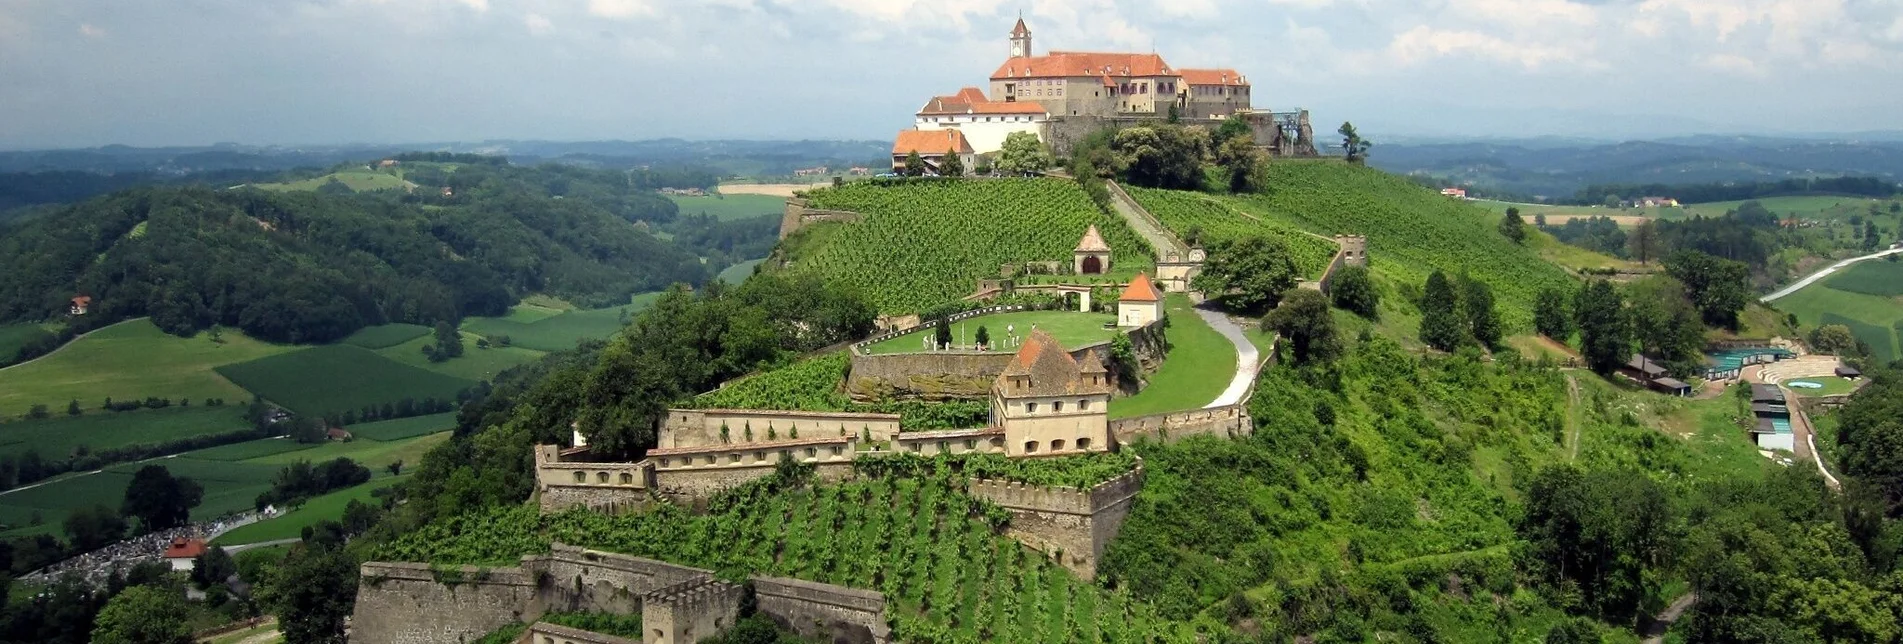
(695, 427)
(412, 603)
(546, 633)
(798, 214)
(1229, 421)
(1071, 526)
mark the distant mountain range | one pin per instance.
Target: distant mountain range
(1561, 167)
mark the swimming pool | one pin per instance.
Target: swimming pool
(1729, 359)
(1782, 425)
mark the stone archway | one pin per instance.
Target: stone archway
(1092, 265)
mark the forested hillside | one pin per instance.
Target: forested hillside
(298, 266)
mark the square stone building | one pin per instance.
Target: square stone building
(1051, 403)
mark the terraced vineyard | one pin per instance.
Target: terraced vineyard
(935, 553)
(813, 384)
(1181, 211)
(1411, 231)
(924, 243)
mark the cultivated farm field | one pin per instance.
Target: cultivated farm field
(544, 327)
(338, 378)
(358, 179)
(401, 428)
(97, 429)
(131, 360)
(1875, 319)
(474, 364)
(384, 336)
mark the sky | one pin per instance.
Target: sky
(79, 73)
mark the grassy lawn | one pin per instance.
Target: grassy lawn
(1832, 386)
(339, 377)
(384, 336)
(373, 454)
(731, 206)
(97, 429)
(131, 360)
(291, 524)
(1572, 257)
(14, 336)
(235, 637)
(1071, 328)
(475, 363)
(359, 179)
(1197, 368)
(539, 326)
(1873, 319)
(389, 430)
(738, 273)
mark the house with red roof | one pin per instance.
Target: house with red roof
(984, 122)
(933, 146)
(1140, 304)
(1049, 402)
(182, 553)
(1084, 83)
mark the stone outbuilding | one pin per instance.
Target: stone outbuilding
(1051, 403)
(1092, 256)
(1140, 304)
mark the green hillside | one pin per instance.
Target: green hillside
(1187, 212)
(1411, 230)
(926, 242)
(336, 378)
(131, 360)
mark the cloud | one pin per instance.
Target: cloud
(620, 9)
(479, 6)
(90, 31)
(1730, 63)
(1422, 44)
(538, 24)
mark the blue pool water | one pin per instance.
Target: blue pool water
(1782, 425)
(1734, 358)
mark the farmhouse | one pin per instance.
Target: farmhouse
(182, 553)
(1644, 371)
(80, 304)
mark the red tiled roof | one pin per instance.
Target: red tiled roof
(1140, 290)
(1063, 64)
(942, 105)
(83, 300)
(1212, 77)
(938, 142)
(183, 548)
(1051, 370)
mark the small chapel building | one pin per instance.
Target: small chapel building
(1049, 403)
(1092, 256)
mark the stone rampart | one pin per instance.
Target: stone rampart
(544, 633)
(692, 487)
(1222, 422)
(591, 581)
(690, 611)
(942, 375)
(561, 484)
(703, 427)
(413, 603)
(799, 214)
(1071, 526)
(824, 611)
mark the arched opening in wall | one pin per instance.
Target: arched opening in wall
(601, 477)
(1057, 445)
(1072, 301)
(1030, 446)
(581, 477)
(997, 443)
(1083, 443)
(627, 478)
(1092, 265)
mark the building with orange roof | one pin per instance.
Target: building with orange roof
(1140, 304)
(985, 123)
(181, 553)
(1104, 84)
(1049, 403)
(80, 305)
(933, 146)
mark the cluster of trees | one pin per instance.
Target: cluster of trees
(1597, 234)
(1663, 316)
(300, 481)
(1173, 156)
(305, 267)
(155, 500)
(1457, 312)
(1741, 191)
(447, 343)
(1249, 274)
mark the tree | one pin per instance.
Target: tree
(159, 500)
(1305, 322)
(1512, 226)
(1022, 154)
(1353, 290)
(983, 166)
(1613, 201)
(1644, 244)
(1352, 143)
(915, 165)
(143, 615)
(1242, 162)
(1720, 288)
(395, 467)
(1235, 128)
(1577, 630)
(1833, 339)
(1550, 316)
(72, 408)
(1249, 273)
(213, 567)
(983, 336)
(1597, 531)
(1161, 156)
(1441, 324)
(1476, 305)
(1665, 324)
(89, 529)
(1869, 428)
(941, 333)
(1872, 238)
(1604, 336)
(37, 412)
(313, 590)
(449, 342)
(951, 166)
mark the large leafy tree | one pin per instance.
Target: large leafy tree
(1550, 315)
(1352, 144)
(1476, 306)
(1162, 156)
(1598, 531)
(89, 529)
(143, 615)
(1353, 289)
(952, 166)
(1870, 431)
(1441, 324)
(1665, 324)
(313, 590)
(1605, 337)
(1720, 288)
(915, 165)
(1022, 154)
(1242, 162)
(1644, 244)
(1249, 273)
(1305, 323)
(159, 500)
(1512, 226)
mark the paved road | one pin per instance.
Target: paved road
(1807, 281)
(1160, 240)
(247, 546)
(1247, 358)
(1655, 632)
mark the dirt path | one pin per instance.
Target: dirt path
(1247, 358)
(68, 343)
(1572, 417)
(1813, 277)
(1654, 632)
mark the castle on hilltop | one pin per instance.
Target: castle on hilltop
(1062, 95)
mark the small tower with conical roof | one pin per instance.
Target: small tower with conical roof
(1020, 39)
(1048, 402)
(1140, 303)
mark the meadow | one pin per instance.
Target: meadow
(384, 336)
(1072, 329)
(475, 363)
(96, 429)
(14, 336)
(357, 178)
(1879, 278)
(736, 206)
(1813, 207)
(128, 361)
(922, 243)
(290, 525)
(401, 428)
(338, 378)
(556, 326)
(1197, 368)
(1874, 319)
(738, 273)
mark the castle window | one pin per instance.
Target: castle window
(627, 479)
(1084, 405)
(1030, 447)
(915, 448)
(943, 447)
(971, 444)
(1083, 443)
(786, 453)
(1057, 445)
(1057, 407)
(710, 459)
(835, 450)
(602, 477)
(581, 477)
(759, 457)
(733, 458)
(1030, 408)
(812, 452)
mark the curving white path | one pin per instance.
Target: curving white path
(1247, 359)
(1813, 277)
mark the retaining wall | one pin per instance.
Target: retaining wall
(701, 427)
(690, 611)
(542, 632)
(411, 603)
(798, 214)
(1222, 422)
(824, 611)
(692, 487)
(945, 375)
(1071, 526)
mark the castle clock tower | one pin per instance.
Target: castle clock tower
(1020, 40)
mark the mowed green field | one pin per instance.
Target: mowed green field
(291, 524)
(401, 428)
(730, 206)
(97, 429)
(1072, 329)
(738, 273)
(1819, 208)
(338, 378)
(14, 336)
(475, 363)
(1878, 277)
(542, 327)
(1873, 319)
(1198, 367)
(131, 360)
(384, 336)
(358, 179)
